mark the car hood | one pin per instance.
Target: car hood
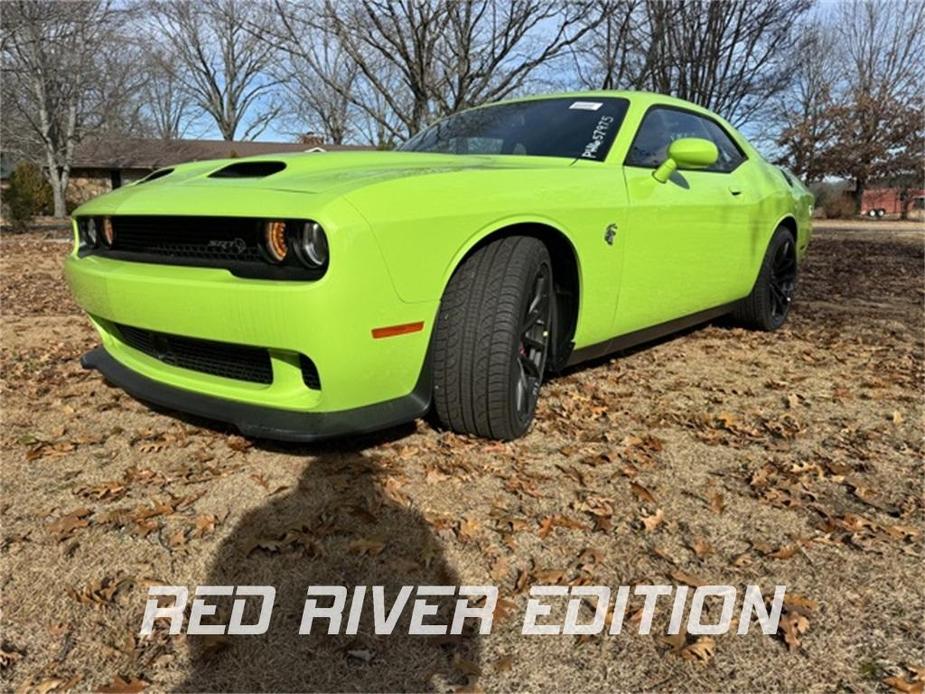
(323, 172)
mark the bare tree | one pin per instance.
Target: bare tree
(62, 81)
(386, 39)
(406, 62)
(613, 54)
(804, 111)
(880, 110)
(730, 56)
(167, 106)
(492, 49)
(222, 60)
(320, 79)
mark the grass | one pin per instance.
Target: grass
(791, 458)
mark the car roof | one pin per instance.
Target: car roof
(643, 97)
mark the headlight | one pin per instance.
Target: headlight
(312, 245)
(275, 240)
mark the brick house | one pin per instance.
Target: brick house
(890, 201)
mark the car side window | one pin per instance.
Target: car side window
(662, 126)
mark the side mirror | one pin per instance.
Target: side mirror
(688, 153)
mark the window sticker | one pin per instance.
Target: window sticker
(585, 105)
(597, 137)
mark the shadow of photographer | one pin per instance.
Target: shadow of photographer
(345, 524)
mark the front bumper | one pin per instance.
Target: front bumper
(329, 320)
(265, 422)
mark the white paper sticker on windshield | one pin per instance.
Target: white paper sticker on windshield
(586, 105)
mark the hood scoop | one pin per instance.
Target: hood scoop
(249, 169)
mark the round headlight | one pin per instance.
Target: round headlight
(92, 233)
(313, 245)
(109, 233)
(275, 237)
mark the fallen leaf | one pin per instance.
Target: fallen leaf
(793, 625)
(499, 570)
(504, 663)
(642, 493)
(123, 686)
(367, 547)
(67, 525)
(45, 686)
(650, 523)
(467, 528)
(701, 651)
(701, 547)
(901, 684)
(688, 579)
(503, 609)
(8, 657)
(549, 576)
(785, 552)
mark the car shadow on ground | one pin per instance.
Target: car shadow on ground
(342, 525)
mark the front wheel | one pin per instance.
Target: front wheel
(767, 307)
(492, 338)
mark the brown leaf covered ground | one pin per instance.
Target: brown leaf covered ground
(719, 455)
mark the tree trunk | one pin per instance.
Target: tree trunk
(57, 182)
(859, 187)
(60, 199)
(905, 200)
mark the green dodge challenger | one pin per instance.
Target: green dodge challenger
(319, 294)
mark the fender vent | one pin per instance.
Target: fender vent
(249, 169)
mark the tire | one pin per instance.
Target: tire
(768, 305)
(881, 212)
(871, 213)
(492, 338)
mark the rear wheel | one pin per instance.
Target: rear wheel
(492, 339)
(767, 307)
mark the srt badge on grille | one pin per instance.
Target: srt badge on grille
(236, 245)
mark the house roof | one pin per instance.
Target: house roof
(129, 153)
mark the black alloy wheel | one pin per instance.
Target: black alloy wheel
(771, 298)
(783, 280)
(534, 345)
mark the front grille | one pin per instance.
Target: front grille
(235, 244)
(235, 239)
(215, 358)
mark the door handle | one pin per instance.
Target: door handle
(735, 190)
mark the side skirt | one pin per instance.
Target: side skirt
(653, 332)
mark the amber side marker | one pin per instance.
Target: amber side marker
(392, 330)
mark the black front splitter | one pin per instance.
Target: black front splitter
(264, 422)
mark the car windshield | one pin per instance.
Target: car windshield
(576, 128)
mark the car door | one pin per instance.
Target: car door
(687, 238)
